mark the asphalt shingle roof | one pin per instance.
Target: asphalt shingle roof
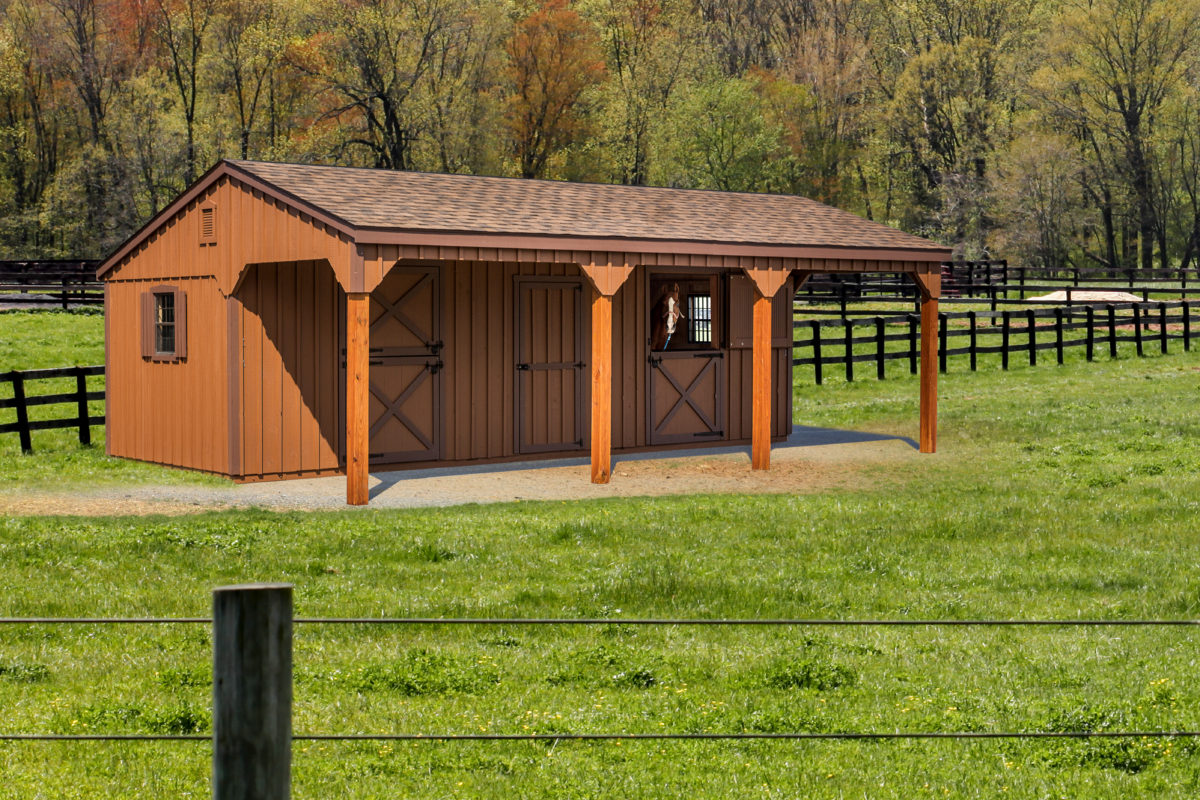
(414, 201)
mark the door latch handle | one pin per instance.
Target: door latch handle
(523, 366)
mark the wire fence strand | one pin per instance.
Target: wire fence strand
(556, 737)
(622, 621)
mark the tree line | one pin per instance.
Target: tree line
(1054, 132)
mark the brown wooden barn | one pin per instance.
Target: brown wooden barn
(282, 321)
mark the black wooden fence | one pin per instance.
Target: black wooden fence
(843, 343)
(995, 282)
(58, 283)
(21, 400)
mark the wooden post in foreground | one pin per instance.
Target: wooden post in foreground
(930, 291)
(760, 407)
(252, 692)
(358, 350)
(601, 387)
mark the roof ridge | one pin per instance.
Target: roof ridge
(543, 181)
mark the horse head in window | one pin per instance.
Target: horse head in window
(664, 316)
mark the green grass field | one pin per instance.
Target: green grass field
(1058, 492)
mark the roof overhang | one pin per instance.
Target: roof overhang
(475, 239)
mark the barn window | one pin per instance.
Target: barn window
(164, 324)
(683, 312)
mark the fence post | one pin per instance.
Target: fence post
(1031, 318)
(18, 382)
(1137, 328)
(1187, 326)
(849, 350)
(942, 343)
(974, 321)
(66, 297)
(85, 430)
(912, 344)
(1162, 327)
(1005, 325)
(879, 363)
(1022, 274)
(252, 692)
(1091, 333)
(1112, 330)
(1058, 334)
(816, 334)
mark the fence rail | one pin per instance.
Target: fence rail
(993, 281)
(842, 343)
(22, 401)
(62, 283)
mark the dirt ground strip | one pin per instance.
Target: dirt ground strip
(796, 469)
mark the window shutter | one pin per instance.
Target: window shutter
(180, 323)
(147, 324)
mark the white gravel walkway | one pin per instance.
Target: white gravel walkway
(811, 460)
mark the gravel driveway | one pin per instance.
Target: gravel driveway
(813, 459)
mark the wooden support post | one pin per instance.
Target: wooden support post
(252, 692)
(606, 279)
(358, 350)
(760, 411)
(930, 291)
(601, 387)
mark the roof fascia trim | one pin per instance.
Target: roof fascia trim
(636, 246)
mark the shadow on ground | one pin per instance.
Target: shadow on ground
(802, 436)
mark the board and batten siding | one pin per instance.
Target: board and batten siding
(250, 228)
(168, 412)
(480, 355)
(290, 322)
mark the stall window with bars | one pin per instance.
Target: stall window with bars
(699, 318)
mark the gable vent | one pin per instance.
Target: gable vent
(208, 224)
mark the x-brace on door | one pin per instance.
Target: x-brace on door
(406, 366)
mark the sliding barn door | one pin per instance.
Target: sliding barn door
(551, 368)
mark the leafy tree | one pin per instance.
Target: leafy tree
(719, 138)
(1112, 66)
(554, 58)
